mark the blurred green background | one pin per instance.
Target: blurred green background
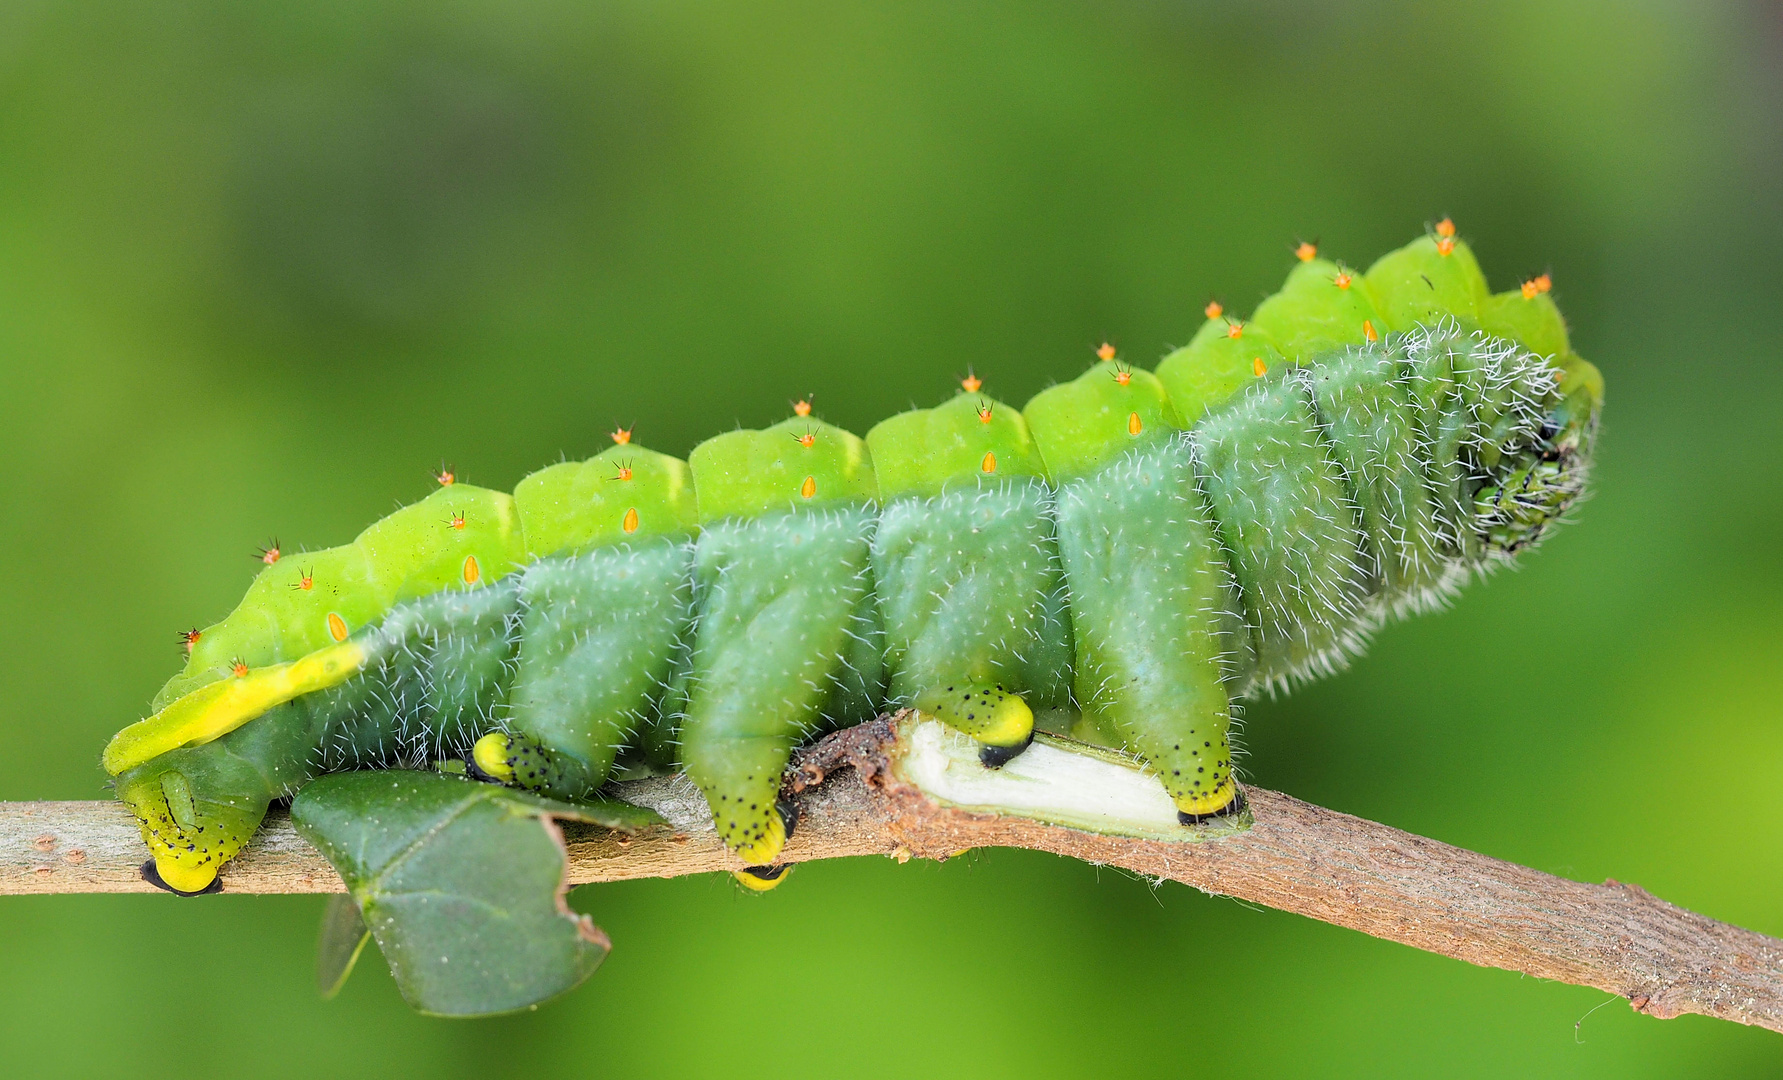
(263, 266)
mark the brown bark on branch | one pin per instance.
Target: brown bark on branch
(1333, 867)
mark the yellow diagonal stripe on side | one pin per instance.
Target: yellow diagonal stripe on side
(214, 710)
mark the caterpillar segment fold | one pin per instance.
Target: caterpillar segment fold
(1127, 557)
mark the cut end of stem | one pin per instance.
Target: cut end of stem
(1058, 781)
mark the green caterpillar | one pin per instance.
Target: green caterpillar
(1123, 558)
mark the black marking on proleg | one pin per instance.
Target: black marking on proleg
(789, 817)
(472, 770)
(768, 873)
(1236, 806)
(153, 877)
(995, 757)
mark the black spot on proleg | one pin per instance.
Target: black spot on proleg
(153, 877)
(995, 757)
(1236, 806)
(789, 816)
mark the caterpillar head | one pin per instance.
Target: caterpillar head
(1544, 466)
(190, 835)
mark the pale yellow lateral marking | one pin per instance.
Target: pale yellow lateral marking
(216, 709)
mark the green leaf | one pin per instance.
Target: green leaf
(342, 939)
(461, 883)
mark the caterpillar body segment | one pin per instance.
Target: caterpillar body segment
(441, 673)
(1151, 597)
(1529, 317)
(960, 442)
(599, 635)
(1108, 411)
(794, 465)
(458, 537)
(785, 645)
(970, 590)
(280, 620)
(1154, 610)
(625, 493)
(1322, 307)
(970, 584)
(787, 635)
(1141, 550)
(1223, 358)
(1285, 513)
(1366, 414)
(1433, 278)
